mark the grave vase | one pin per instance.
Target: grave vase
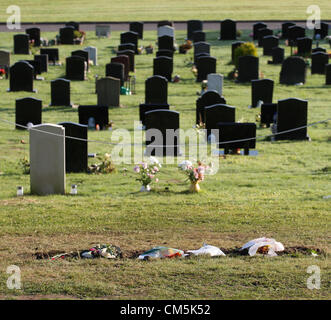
(145, 188)
(195, 188)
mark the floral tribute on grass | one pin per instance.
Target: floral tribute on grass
(105, 166)
(194, 174)
(147, 171)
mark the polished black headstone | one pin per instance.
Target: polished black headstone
(28, 110)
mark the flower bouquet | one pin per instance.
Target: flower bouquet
(147, 171)
(2, 73)
(194, 174)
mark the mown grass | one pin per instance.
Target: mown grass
(277, 194)
(153, 10)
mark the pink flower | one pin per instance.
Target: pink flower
(156, 169)
(201, 169)
(144, 165)
(137, 169)
(156, 180)
(151, 176)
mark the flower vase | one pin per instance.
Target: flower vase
(145, 188)
(194, 188)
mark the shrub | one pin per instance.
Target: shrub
(246, 49)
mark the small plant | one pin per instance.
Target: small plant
(147, 171)
(245, 49)
(105, 166)
(194, 174)
(25, 165)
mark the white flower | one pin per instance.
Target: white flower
(154, 161)
(185, 164)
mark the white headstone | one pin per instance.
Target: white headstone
(166, 31)
(93, 54)
(47, 159)
(215, 82)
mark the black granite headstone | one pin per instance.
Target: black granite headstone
(28, 110)
(131, 55)
(34, 34)
(193, 25)
(304, 46)
(125, 60)
(21, 44)
(328, 74)
(233, 131)
(21, 76)
(143, 108)
(285, 27)
(268, 43)
(293, 71)
(75, 68)
(166, 43)
(116, 70)
(248, 68)
(75, 150)
(205, 66)
(67, 35)
(292, 113)
(130, 37)
(43, 60)
(137, 27)
(199, 36)
(218, 113)
(318, 62)
(60, 92)
(262, 90)
(268, 112)
(156, 90)
(208, 98)
(322, 31)
(98, 113)
(256, 27)
(53, 54)
(228, 30)
(163, 66)
(166, 143)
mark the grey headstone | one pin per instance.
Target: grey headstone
(47, 159)
(102, 31)
(215, 82)
(166, 31)
(4, 58)
(93, 54)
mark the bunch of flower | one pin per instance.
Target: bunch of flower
(194, 174)
(2, 72)
(106, 165)
(147, 171)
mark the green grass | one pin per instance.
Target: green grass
(151, 10)
(277, 194)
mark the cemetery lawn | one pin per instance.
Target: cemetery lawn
(153, 10)
(280, 194)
